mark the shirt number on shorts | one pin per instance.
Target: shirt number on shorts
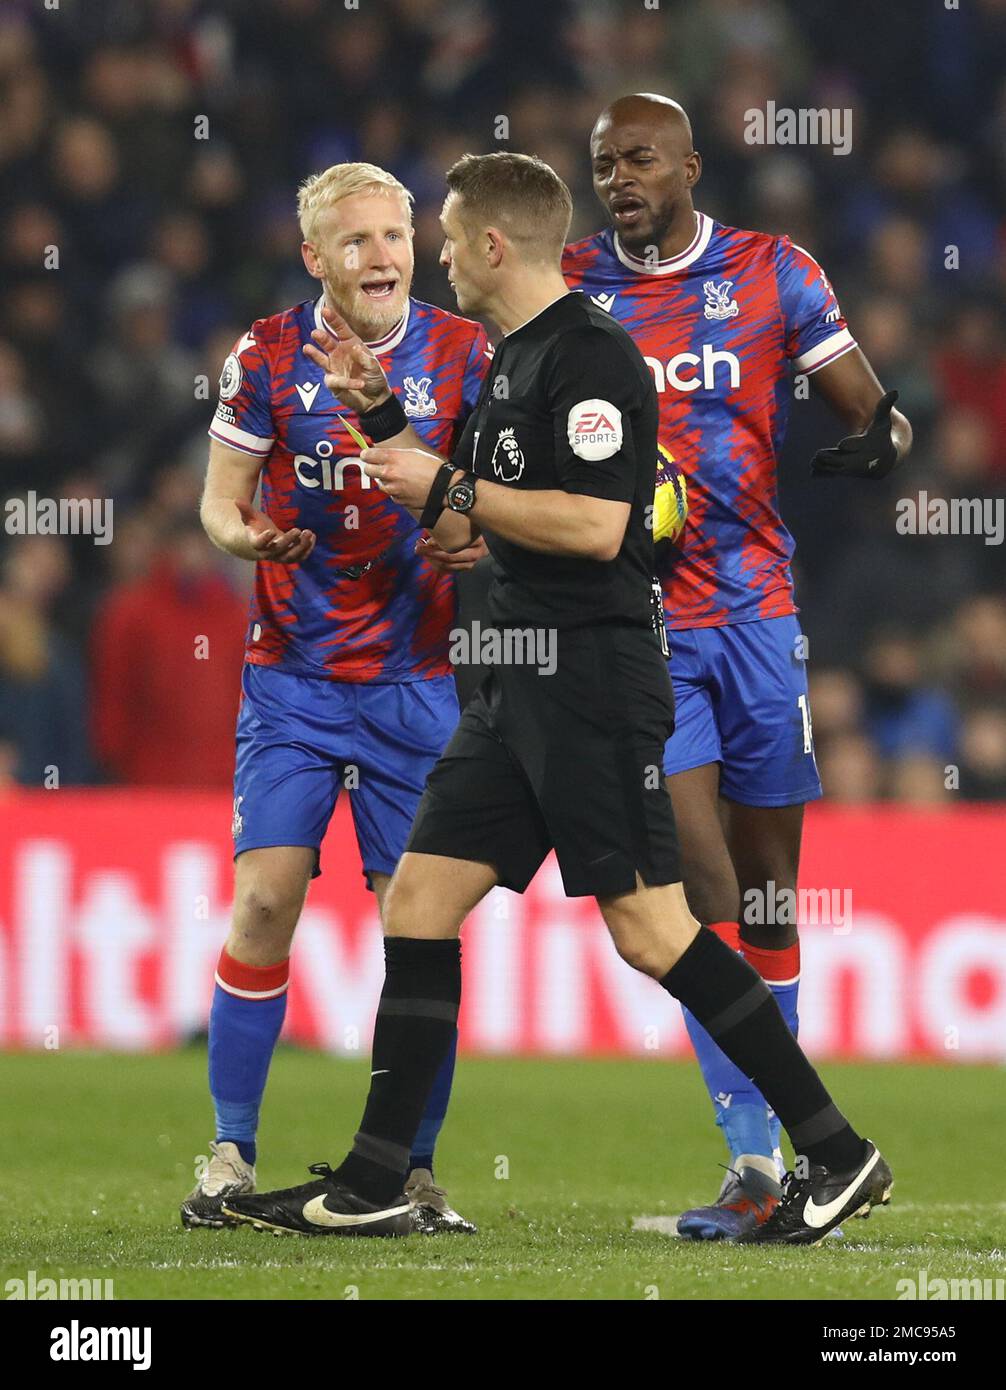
(808, 732)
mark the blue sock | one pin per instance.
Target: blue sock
(436, 1109)
(243, 1032)
(787, 997)
(748, 1125)
(740, 1108)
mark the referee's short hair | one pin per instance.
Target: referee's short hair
(520, 194)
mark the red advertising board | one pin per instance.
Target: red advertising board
(114, 905)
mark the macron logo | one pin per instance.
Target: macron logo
(603, 301)
(307, 394)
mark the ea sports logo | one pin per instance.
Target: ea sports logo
(594, 430)
(593, 425)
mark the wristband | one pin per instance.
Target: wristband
(384, 421)
(435, 497)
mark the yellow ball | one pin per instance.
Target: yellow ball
(670, 498)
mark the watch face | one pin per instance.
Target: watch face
(461, 497)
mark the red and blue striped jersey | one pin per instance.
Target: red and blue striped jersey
(392, 622)
(721, 326)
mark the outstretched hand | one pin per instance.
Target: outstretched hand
(871, 454)
(269, 542)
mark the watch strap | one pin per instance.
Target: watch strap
(435, 497)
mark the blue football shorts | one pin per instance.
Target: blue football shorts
(302, 740)
(740, 697)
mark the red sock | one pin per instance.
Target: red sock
(252, 981)
(728, 932)
(776, 967)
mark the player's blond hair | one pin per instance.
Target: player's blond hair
(324, 190)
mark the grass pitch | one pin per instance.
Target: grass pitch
(553, 1159)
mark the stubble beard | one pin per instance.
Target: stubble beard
(371, 319)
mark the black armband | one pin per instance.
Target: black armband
(435, 497)
(385, 420)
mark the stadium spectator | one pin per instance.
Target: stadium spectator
(905, 717)
(983, 754)
(166, 649)
(919, 780)
(42, 693)
(850, 770)
(971, 368)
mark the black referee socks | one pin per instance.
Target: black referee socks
(416, 1020)
(736, 1008)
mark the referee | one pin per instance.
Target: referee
(556, 469)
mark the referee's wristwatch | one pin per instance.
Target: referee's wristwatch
(461, 495)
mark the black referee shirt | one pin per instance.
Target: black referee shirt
(569, 404)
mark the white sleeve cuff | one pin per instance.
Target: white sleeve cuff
(820, 355)
(240, 439)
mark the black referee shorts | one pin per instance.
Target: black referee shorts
(571, 761)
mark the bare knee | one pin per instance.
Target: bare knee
(266, 908)
(430, 895)
(402, 907)
(268, 899)
(651, 928)
(413, 906)
(649, 957)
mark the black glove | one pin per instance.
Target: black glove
(871, 454)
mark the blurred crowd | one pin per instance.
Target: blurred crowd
(149, 156)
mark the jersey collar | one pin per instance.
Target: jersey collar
(692, 252)
(551, 303)
(390, 340)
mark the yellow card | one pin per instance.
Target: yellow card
(355, 434)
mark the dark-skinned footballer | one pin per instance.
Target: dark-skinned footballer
(724, 317)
